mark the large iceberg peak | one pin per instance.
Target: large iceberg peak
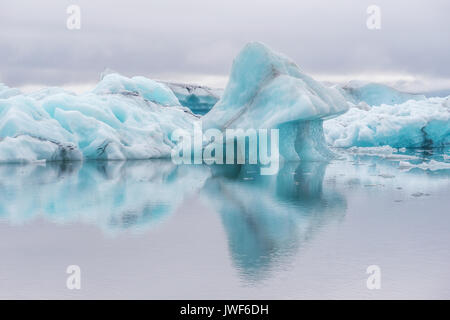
(268, 90)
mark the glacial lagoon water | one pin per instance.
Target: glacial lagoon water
(154, 230)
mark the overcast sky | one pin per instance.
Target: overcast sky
(196, 40)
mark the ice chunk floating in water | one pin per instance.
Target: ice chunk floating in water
(375, 94)
(125, 118)
(268, 90)
(413, 124)
(121, 118)
(134, 118)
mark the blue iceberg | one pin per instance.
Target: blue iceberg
(120, 119)
(375, 94)
(267, 90)
(135, 118)
(413, 124)
(199, 99)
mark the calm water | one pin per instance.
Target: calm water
(150, 229)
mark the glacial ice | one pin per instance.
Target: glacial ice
(199, 99)
(6, 92)
(134, 118)
(148, 89)
(375, 94)
(120, 119)
(432, 165)
(267, 90)
(413, 124)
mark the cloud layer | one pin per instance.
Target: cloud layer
(197, 39)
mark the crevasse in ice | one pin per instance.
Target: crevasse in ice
(120, 119)
(268, 90)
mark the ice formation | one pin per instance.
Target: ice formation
(432, 165)
(413, 124)
(134, 118)
(268, 90)
(199, 99)
(6, 92)
(121, 118)
(375, 94)
(148, 89)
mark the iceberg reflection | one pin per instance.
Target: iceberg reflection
(113, 195)
(266, 218)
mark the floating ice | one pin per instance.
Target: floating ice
(432, 165)
(199, 99)
(268, 90)
(134, 118)
(6, 92)
(121, 118)
(424, 123)
(148, 89)
(385, 152)
(375, 94)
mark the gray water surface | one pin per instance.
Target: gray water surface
(153, 230)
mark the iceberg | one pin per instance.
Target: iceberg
(6, 92)
(135, 118)
(199, 99)
(413, 124)
(148, 89)
(267, 90)
(375, 94)
(120, 119)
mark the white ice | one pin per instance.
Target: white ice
(120, 119)
(412, 124)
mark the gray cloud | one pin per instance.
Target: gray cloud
(180, 38)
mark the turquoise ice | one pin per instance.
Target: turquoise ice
(267, 90)
(120, 119)
(134, 118)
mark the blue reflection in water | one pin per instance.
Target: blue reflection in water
(267, 219)
(111, 195)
